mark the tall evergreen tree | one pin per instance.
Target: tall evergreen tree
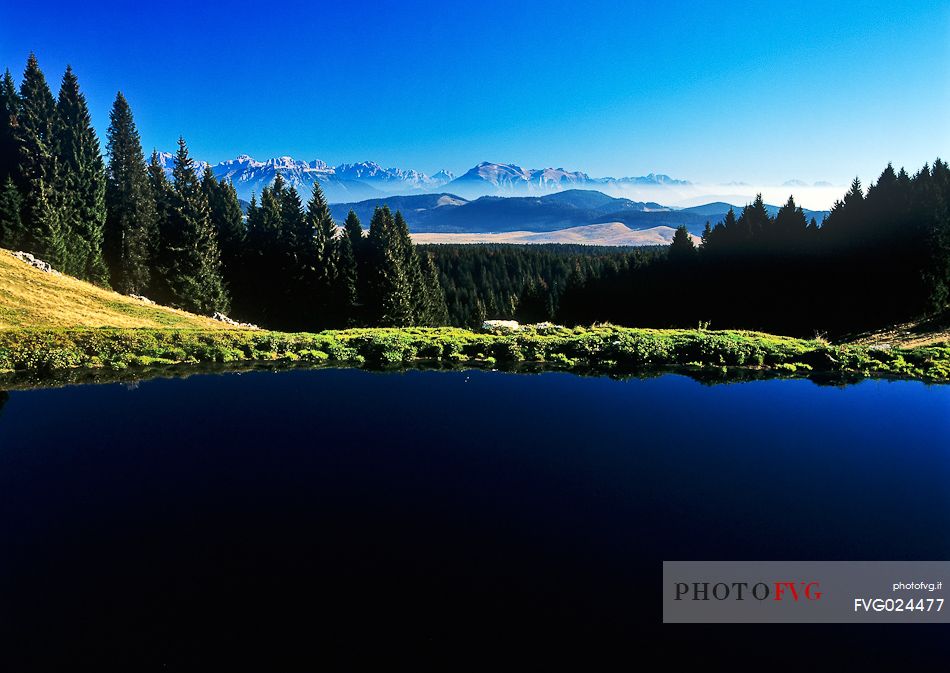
(358, 247)
(265, 255)
(346, 287)
(753, 223)
(390, 297)
(9, 145)
(47, 228)
(789, 229)
(194, 275)
(163, 196)
(324, 231)
(434, 311)
(12, 232)
(682, 247)
(327, 300)
(36, 175)
(412, 265)
(81, 183)
(228, 222)
(131, 227)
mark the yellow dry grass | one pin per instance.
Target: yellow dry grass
(32, 298)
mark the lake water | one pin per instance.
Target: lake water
(327, 515)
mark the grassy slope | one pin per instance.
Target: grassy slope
(32, 298)
(51, 323)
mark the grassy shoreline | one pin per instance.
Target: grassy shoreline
(604, 348)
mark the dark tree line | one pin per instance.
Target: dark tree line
(878, 258)
(522, 282)
(52, 177)
(184, 241)
(881, 256)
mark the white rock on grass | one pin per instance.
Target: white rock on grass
(35, 263)
(220, 317)
(501, 326)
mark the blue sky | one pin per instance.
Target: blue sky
(756, 92)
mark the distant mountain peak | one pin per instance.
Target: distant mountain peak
(349, 182)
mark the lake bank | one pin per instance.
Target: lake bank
(607, 349)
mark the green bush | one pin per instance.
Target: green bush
(604, 346)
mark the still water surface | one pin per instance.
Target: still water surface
(316, 515)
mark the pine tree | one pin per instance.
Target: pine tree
(356, 264)
(412, 265)
(789, 228)
(296, 236)
(194, 275)
(354, 231)
(81, 182)
(36, 175)
(329, 304)
(47, 229)
(682, 248)
(324, 231)
(435, 312)
(229, 224)
(753, 223)
(12, 232)
(346, 283)
(390, 300)
(9, 145)
(163, 196)
(131, 228)
(264, 256)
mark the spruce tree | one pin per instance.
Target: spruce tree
(412, 265)
(296, 235)
(753, 223)
(163, 197)
(81, 182)
(346, 284)
(131, 227)
(47, 229)
(36, 175)
(9, 145)
(323, 230)
(789, 228)
(682, 248)
(264, 255)
(390, 298)
(12, 232)
(435, 312)
(356, 254)
(353, 230)
(229, 224)
(328, 305)
(194, 273)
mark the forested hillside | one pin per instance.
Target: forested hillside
(880, 257)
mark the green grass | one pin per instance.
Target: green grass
(31, 298)
(602, 348)
(52, 324)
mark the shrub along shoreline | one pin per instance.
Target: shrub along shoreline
(603, 348)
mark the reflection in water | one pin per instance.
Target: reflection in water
(313, 516)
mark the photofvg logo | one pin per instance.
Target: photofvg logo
(740, 591)
(805, 591)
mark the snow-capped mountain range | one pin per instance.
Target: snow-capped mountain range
(509, 179)
(346, 182)
(367, 179)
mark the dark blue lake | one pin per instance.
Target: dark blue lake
(329, 515)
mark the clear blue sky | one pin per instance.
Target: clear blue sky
(759, 92)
